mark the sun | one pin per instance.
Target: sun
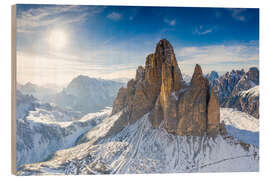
(57, 39)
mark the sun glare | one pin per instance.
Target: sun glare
(57, 39)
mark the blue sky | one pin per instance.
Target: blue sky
(57, 43)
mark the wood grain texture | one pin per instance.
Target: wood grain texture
(13, 89)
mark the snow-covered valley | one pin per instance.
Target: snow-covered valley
(42, 129)
(139, 148)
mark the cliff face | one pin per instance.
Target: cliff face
(246, 101)
(232, 83)
(159, 89)
(236, 89)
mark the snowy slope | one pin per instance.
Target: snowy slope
(139, 148)
(251, 92)
(241, 125)
(42, 129)
(246, 101)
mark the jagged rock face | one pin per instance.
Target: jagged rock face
(246, 101)
(212, 77)
(253, 75)
(224, 85)
(159, 88)
(192, 109)
(172, 82)
(120, 100)
(247, 81)
(231, 89)
(231, 83)
(213, 114)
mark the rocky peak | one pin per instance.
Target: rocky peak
(197, 72)
(253, 75)
(164, 50)
(140, 73)
(159, 88)
(198, 80)
(212, 76)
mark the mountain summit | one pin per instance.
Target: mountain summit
(159, 88)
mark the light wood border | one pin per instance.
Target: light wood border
(13, 89)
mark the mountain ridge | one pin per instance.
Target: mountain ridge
(229, 88)
(86, 94)
(159, 88)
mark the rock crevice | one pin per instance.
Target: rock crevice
(159, 88)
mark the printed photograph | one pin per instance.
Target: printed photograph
(136, 90)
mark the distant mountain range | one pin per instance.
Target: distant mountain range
(82, 94)
(39, 92)
(231, 86)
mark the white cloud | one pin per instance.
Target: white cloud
(114, 16)
(218, 57)
(218, 54)
(203, 31)
(171, 22)
(31, 19)
(237, 14)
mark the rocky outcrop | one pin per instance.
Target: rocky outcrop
(231, 83)
(213, 115)
(224, 85)
(193, 105)
(253, 75)
(212, 77)
(244, 84)
(246, 101)
(159, 88)
(231, 89)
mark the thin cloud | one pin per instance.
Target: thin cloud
(34, 18)
(203, 31)
(59, 69)
(218, 54)
(114, 16)
(220, 58)
(238, 14)
(171, 22)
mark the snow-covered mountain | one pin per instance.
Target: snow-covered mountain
(39, 92)
(43, 129)
(246, 101)
(232, 89)
(224, 85)
(231, 83)
(86, 94)
(82, 94)
(212, 76)
(140, 148)
(160, 124)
